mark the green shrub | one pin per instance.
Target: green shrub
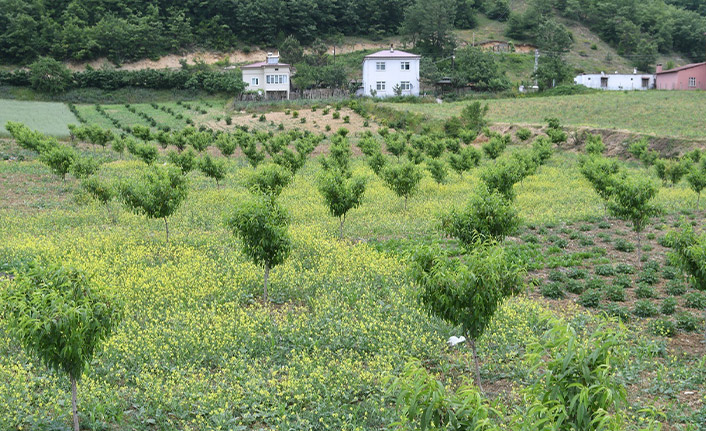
(336, 115)
(552, 290)
(590, 298)
(624, 246)
(675, 288)
(648, 276)
(595, 283)
(695, 300)
(619, 311)
(622, 281)
(523, 134)
(624, 268)
(644, 291)
(615, 293)
(687, 321)
(576, 273)
(556, 275)
(663, 328)
(605, 270)
(604, 225)
(645, 308)
(574, 286)
(669, 306)
(670, 273)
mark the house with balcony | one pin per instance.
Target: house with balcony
(269, 78)
(391, 72)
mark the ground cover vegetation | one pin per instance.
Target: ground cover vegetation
(246, 285)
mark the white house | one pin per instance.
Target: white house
(270, 77)
(385, 72)
(616, 81)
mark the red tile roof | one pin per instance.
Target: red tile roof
(688, 66)
(386, 53)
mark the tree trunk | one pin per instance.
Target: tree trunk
(698, 198)
(74, 410)
(166, 227)
(267, 276)
(340, 228)
(405, 204)
(472, 342)
(639, 251)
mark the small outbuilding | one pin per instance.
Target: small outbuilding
(616, 81)
(689, 77)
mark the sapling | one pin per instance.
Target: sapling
(697, 179)
(59, 158)
(600, 172)
(212, 168)
(467, 294)
(60, 317)
(438, 170)
(341, 194)
(262, 226)
(101, 191)
(269, 179)
(185, 160)
(157, 194)
(403, 179)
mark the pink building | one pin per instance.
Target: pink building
(689, 77)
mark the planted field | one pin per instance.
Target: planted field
(46, 117)
(658, 113)
(199, 347)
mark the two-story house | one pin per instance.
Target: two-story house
(270, 77)
(391, 72)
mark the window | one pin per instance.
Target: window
(405, 86)
(380, 66)
(692, 82)
(380, 86)
(276, 79)
(404, 65)
(255, 81)
(604, 82)
(645, 82)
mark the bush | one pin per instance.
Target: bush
(595, 145)
(695, 300)
(676, 288)
(623, 281)
(624, 246)
(619, 311)
(687, 321)
(590, 298)
(574, 286)
(49, 76)
(624, 268)
(669, 306)
(615, 293)
(605, 270)
(663, 328)
(552, 290)
(645, 308)
(644, 291)
(648, 276)
(523, 134)
(556, 275)
(494, 147)
(576, 273)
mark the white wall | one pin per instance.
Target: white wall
(261, 73)
(615, 81)
(392, 75)
(248, 74)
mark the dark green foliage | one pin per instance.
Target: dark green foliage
(624, 268)
(590, 298)
(644, 308)
(644, 291)
(157, 193)
(488, 215)
(502, 176)
(687, 321)
(339, 156)
(141, 132)
(556, 275)
(695, 300)
(473, 116)
(552, 290)
(689, 251)
(99, 190)
(403, 179)
(619, 311)
(622, 281)
(624, 246)
(262, 226)
(59, 317)
(575, 287)
(269, 179)
(49, 76)
(576, 273)
(438, 170)
(615, 293)
(480, 68)
(466, 159)
(377, 162)
(669, 306)
(595, 283)
(227, 143)
(523, 134)
(494, 147)
(248, 144)
(84, 166)
(146, 152)
(648, 276)
(186, 160)
(341, 193)
(605, 270)
(676, 288)
(595, 145)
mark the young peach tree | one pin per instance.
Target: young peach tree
(60, 317)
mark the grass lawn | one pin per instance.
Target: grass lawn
(47, 117)
(661, 113)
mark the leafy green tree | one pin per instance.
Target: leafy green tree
(600, 172)
(49, 76)
(472, 65)
(630, 200)
(396, 144)
(291, 51)
(141, 132)
(595, 145)
(501, 176)
(59, 158)
(84, 166)
(146, 152)
(429, 25)
(438, 170)
(100, 191)
(689, 251)
(697, 179)
(403, 179)
(186, 160)
(377, 162)
(341, 193)
(248, 144)
(212, 168)
(262, 226)
(269, 179)
(339, 155)
(473, 116)
(466, 159)
(495, 147)
(60, 317)
(226, 143)
(487, 216)
(158, 193)
(467, 294)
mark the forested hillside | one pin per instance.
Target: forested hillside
(124, 30)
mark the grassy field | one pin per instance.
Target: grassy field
(197, 349)
(46, 117)
(658, 113)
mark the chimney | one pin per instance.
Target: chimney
(392, 48)
(659, 68)
(634, 71)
